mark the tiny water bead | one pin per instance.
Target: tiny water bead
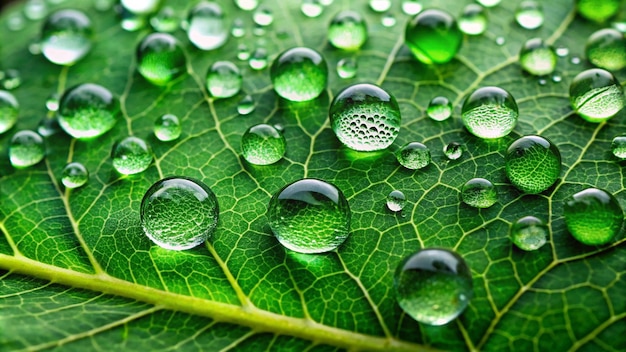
(258, 59)
(132, 22)
(141, 7)
(433, 285)
(433, 36)
(223, 80)
(237, 29)
(396, 201)
(529, 233)
(66, 37)
(537, 58)
(179, 213)
(529, 14)
(618, 147)
(207, 28)
(74, 175)
(16, 21)
(245, 105)
(167, 128)
(453, 150)
(131, 155)
(165, 21)
(35, 9)
(473, 20)
(311, 8)
(263, 144)
(593, 216)
(52, 103)
(479, 193)
(309, 216)
(243, 52)
(500, 41)
(347, 30)
(562, 51)
(380, 5)
(388, 20)
(596, 95)
(489, 3)
(347, 68)
(439, 108)
(87, 110)
(414, 156)
(411, 7)
(299, 74)
(160, 58)
(606, 48)
(247, 5)
(9, 110)
(533, 164)
(365, 117)
(490, 112)
(597, 10)
(263, 16)
(11, 80)
(26, 149)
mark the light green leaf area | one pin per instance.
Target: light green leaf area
(77, 272)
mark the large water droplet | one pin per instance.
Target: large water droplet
(299, 74)
(309, 216)
(414, 156)
(596, 95)
(533, 164)
(9, 110)
(396, 201)
(160, 58)
(167, 128)
(439, 108)
(490, 112)
(263, 145)
(473, 20)
(207, 28)
(87, 110)
(606, 48)
(593, 216)
(537, 58)
(433, 36)
(529, 14)
(347, 30)
(479, 193)
(223, 80)
(131, 155)
(74, 175)
(26, 149)
(529, 233)
(66, 37)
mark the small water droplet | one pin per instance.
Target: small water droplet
(453, 150)
(529, 233)
(207, 29)
(299, 74)
(575, 60)
(141, 7)
(52, 103)
(74, 175)
(411, 7)
(537, 58)
(160, 58)
(66, 37)
(132, 22)
(596, 95)
(606, 48)
(388, 20)
(87, 110)
(593, 216)
(556, 78)
(35, 9)
(598, 11)
(473, 20)
(48, 126)
(414, 156)
(533, 164)
(396, 201)
(237, 29)
(26, 149)
(529, 14)
(165, 21)
(618, 147)
(16, 22)
(439, 108)
(489, 3)
(223, 79)
(500, 41)
(562, 51)
(9, 111)
(247, 5)
(347, 68)
(479, 193)
(258, 59)
(433, 36)
(347, 30)
(380, 5)
(245, 105)
(34, 48)
(490, 112)
(311, 8)
(263, 16)
(263, 145)
(11, 80)
(243, 52)
(131, 155)
(167, 128)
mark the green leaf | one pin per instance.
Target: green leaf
(77, 272)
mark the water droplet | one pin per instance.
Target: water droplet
(34, 48)
(529, 14)
(103, 5)
(9, 110)
(263, 16)
(237, 29)
(346, 68)
(165, 21)
(207, 29)
(537, 58)
(598, 10)
(433, 285)
(141, 7)
(223, 80)
(575, 60)
(247, 5)
(12, 79)
(48, 126)
(258, 59)
(245, 105)
(243, 52)
(131, 155)
(453, 150)
(294, 215)
(533, 164)
(311, 8)
(414, 156)
(167, 128)
(619, 25)
(347, 30)
(280, 128)
(365, 117)
(16, 22)
(380, 5)
(26, 149)
(179, 213)
(556, 78)
(66, 37)
(439, 108)
(473, 20)
(500, 41)
(74, 175)
(490, 112)
(562, 51)
(411, 7)
(35, 9)
(618, 147)
(593, 216)
(529, 233)
(87, 111)
(388, 20)
(160, 58)
(542, 81)
(52, 103)
(132, 22)
(606, 48)
(596, 95)
(299, 74)
(263, 145)
(488, 3)
(326, 2)
(396, 201)
(479, 193)
(433, 36)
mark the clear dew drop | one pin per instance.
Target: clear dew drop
(263, 144)
(411, 7)
(537, 58)
(596, 95)
(103, 5)
(141, 7)
(618, 147)
(365, 117)
(575, 60)
(396, 201)
(74, 175)
(35, 9)
(347, 30)
(529, 233)
(246, 105)
(258, 59)
(479, 193)
(11, 79)
(247, 5)
(490, 112)
(619, 25)
(131, 155)
(439, 108)
(87, 111)
(500, 41)
(132, 22)
(380, 5)
(529, 14)
(489, 3)
(238, 29)
(533, 164)
(326, 2)
(66, 37)
(223, 79)
(48, 126)
(165, 21)
(473, 20)
(593, 216)
(433, 36)
(556, 78)
(9, 111)
(207, 28)
(263, 16)
(179, 213)
(294, 214)
(52, 103)
(414, 156)
(243, 52)
(311, 8)
(453, 150)
(598, 10)
(347, 67)
(258, 30)
(160, 58)
(388, 20)
(16, 21)
(34, 48)
(606, 49)
(433, 285)
(167, 127)
(26, 149)
(542, 81)
(562, 51)
(299, 74)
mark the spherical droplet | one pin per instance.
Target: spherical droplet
(606, 48)
(299, 74)
(263, 145)
(52, 103)
(414, 156)
(473, 20)
(237, 29)
(11, 80)
(529, 233)
(165, 21)
(223, 80)
(396, 201)
(309, 216)
(347, 30)
(433, 36)
(131, 155)
(245, 105)
(179, 213)
(132, 22)
(618, 147)
(66, 37)
(35, 9)
(26, 149)
(311, 8)
(167, 128)
(537, 58)
(453, 150)
(16, 21)
(380, 5)
(88, 110)
(529, 14)
(439, 108)
(562, 51)
(598, 10)
(533, 164)
(74, 175)
(247, 5)
(411, 7)
(160, 58)
(346, 68)
(263, 16)
(365, 117)
(479, 193)
(433, 285)
(141, 7)
(258, 59)
(575, 60)
(488, 3)
(388, 20)
(490, 112)
(207, 28)
(596, 95)
(593, 216)
(9, 110)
